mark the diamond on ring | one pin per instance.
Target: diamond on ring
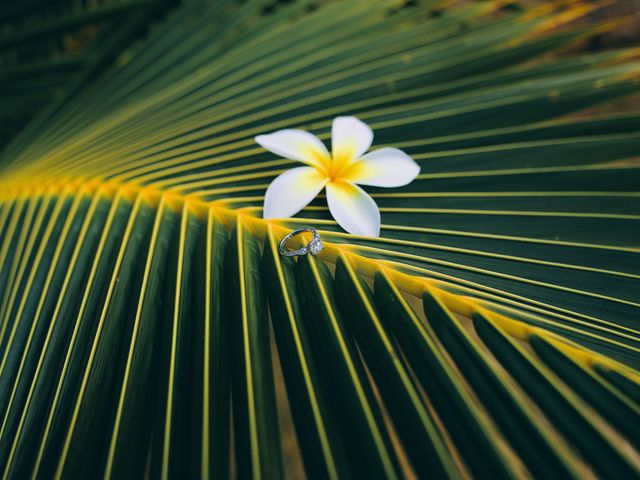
(315, 245)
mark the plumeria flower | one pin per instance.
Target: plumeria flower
(340, 172)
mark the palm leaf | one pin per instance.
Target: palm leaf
(148, 323)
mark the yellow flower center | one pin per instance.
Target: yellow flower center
(341, 166)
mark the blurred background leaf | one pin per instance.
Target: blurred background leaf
(50, 49)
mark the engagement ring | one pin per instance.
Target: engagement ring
(314, 246)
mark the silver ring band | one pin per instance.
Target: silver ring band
(314, 246)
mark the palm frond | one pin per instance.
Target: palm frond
(147, 321)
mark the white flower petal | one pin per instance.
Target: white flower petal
(350, 138)
(291, 191)
(387, 167)
(296, 145)
(353, 208)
